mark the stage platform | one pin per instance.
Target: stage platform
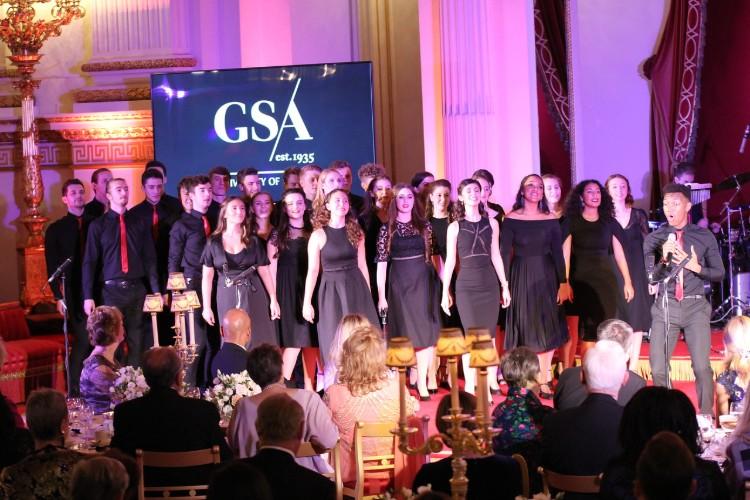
(681, 369)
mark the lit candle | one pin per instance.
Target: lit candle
(154, 330)
(192, 326)
(182, 328)
(402, 395)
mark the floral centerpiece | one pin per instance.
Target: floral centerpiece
(129, 384)
(228, 390)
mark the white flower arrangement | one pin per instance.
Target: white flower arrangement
(229, 389)
(129, 384)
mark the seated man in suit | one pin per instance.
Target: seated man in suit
(492, 477)
(281, 425)
(581, 440)
(162, 420)
(264, 365)
(46, 472)
(232, 357)
(570, 391)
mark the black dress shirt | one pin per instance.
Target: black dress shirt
(706, 248)
(213, 213)
(167, 215)
(94, 209)
(186, 242)
(66, 238)
(103, 251)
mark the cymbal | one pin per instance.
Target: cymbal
(732, 182)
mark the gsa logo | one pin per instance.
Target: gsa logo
(266, 128)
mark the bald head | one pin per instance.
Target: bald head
(235, 326)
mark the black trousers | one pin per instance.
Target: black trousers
(128, 297)
(692, 315)
(80, 347)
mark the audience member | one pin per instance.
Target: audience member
(45, 473)
(571, 392)
(99, 478)
(520, 416)
(732, 382)
(4, 401)
(162, 420)
(737, 467)
(134, 473)
(236, 331)
(665, 469)
(490, 477)
(280, 426)
(652, 410)
(265, 368)
(365, 391)
(347, 325)
(581, 440)
(106, 333)
(238, 481)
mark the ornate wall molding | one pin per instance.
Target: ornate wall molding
(10, 101)
(75, 135)
(62, 154)
(109, 95)
(173, 62)
(98, 117)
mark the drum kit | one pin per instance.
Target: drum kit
(733, 236)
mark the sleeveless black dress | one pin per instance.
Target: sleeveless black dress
(592, 276)
(637, 312)
(291, 270)
(534, 263)
(413, 289)
(343, 290)
(246, 293)
(477, 287)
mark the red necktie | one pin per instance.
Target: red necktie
(123, 244)
(679, 292)
(206, 226)
(81, 240)
(155, 224)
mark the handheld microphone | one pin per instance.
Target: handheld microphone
(745, 137)
(61, 269)
(672, 238)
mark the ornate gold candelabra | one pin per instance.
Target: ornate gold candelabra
(24, 35)
(183, 303)
(153, 305)
(451, 345)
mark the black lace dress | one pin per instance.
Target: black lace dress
(637, 312)
(413, 288)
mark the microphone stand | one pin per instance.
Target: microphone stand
(664, 286)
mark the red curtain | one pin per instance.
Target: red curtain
(675, 74)
(725, 99)
(552, 88)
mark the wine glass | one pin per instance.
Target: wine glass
(706, 425)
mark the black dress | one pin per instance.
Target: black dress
(371, 224)
(592, 276)
(413, 290)
(291, 270)
(477, 287)
(637, 312)
(247, 292)
(343, 289)
(534, 263)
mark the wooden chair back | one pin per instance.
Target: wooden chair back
(176, 459)
(524, 469)
(334, 459)
(384, 464)
(569, 483)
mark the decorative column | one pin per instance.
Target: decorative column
(489, 91)
(25, 35)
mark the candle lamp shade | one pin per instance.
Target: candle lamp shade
(193, 300)
(475, 335)
(176, 282)
(451, 342)
(483, 354)
(153, 303)
(400, 353)
(180, 303)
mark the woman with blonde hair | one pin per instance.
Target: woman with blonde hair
(347, 325)
(329, 180)
(731, 384)
(365, 391)
(106, 331)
